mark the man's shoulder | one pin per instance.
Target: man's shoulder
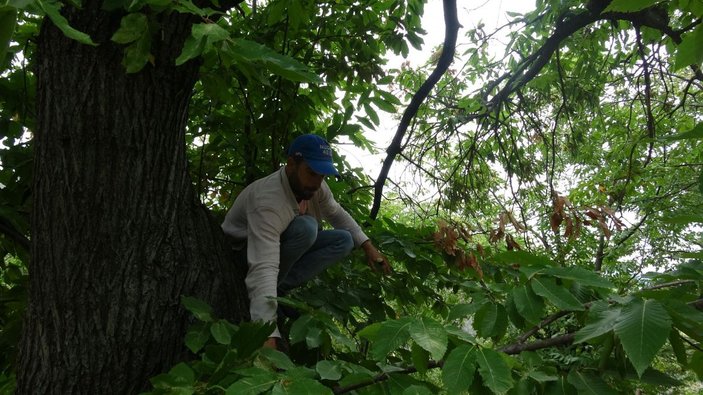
(266, 191)
(324, 193)
(269, 185)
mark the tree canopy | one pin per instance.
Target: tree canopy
(543, 216)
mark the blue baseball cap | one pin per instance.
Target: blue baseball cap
(316, 152)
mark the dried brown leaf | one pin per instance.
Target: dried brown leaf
(512, 244)
(555, 221)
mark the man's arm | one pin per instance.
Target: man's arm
(375, 259)
(263, 256)
(340, 219)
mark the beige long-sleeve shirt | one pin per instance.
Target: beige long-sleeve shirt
(257, 218)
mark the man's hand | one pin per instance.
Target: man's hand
(375, 259)
(270, 343)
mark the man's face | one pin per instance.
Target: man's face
(302, 179)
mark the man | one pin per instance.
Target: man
(277, 221)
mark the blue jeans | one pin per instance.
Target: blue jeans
(307, 251)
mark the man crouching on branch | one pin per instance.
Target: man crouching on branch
(277, 221)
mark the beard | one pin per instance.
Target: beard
(305, 194)
(299, 191)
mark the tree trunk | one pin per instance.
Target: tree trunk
(117, 233)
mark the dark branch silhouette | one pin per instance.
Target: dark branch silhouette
(567, 25)
(451, 30)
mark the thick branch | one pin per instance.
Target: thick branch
(541, 325)
(562, 340)
(384, 376)
(650, 17)
(512, 349)
(450, 35)
(517, 348)
(539, 59)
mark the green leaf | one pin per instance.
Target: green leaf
(390, 335)
(158, 4)
(458, 370)
(580, 275)
(656, 377)
(460, 334)
(167, 382)
(420, 358)
(642, 328)
(678, 347)
(560, 387)
(51, 10)
(696, 364)
(514, 316)
(494, 371)
(491, 320)
(528, 304)
(279, 359)
(314, 338)
(187, 6)
(690, 51)
(252, 385)
(370, 332)
(542, 377)
(132, 27)
(191, 49)
(524, 259)
(384, 104)
(686, 318)
(285, 66)
(8, 20)
(629, 5)
(372, 114)
(683, 219)
(197, 336)
(137, 54)
(198, 308)
(179, 380)
(463, 310)
(202, 37)
(695, 133)
(601, 320)
(299, 329)
(250, 336)
(589, 384)
(329, 370)
(557, 295)
(430, 335)
(300, 386)
(417, 390)
(387, 96)
(183, 373)
(212, 32)
(220, 332)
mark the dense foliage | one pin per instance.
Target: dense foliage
(544, 233)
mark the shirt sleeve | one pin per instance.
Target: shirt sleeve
(263, 256)
(339, 218)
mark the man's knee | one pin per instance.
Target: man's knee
(303, 228)
(346, 242)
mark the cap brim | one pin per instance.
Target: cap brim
(322, 167)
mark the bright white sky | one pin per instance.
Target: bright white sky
(470, 13)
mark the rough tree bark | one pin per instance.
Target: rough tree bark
(117, 232)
